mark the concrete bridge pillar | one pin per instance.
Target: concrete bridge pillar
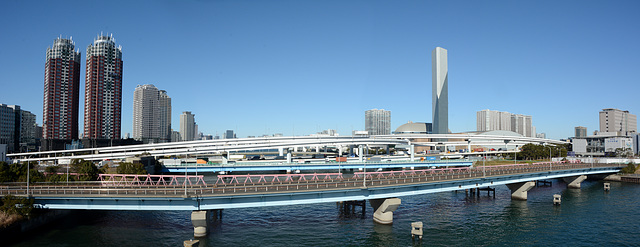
(360, 156)
(574, 182)
(199, 220)
(288, 157)
(281, 151)
(383, 209)
(317, 149)
(519, 190)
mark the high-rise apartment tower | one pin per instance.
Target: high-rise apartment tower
(187, 126)
(151, 114)
(103, 89)
(377, 122)
(61, 91)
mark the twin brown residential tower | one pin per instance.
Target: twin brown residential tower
(102, 96)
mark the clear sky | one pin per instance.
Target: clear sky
(299, 67)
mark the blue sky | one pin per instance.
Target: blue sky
(299, 67)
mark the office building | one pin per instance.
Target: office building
(614, 120)
(439, 92)
(151, 114)
(103, 89)
(61, 91)
(229, 134)
(175, 136)
(377, 122)
(581, 132)
(17, 129)
(8, 127)
(187, 126)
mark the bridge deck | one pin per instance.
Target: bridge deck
(293, 183)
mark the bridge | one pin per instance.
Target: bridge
(381, 188)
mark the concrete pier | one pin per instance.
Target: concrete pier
(416, 229)
(557, 199)
(191, 243)
(383, 209)
(519, 190)
(607, 186)
(199, 219)
(574, 182)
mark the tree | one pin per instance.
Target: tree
(630, 169)
(86, 170)
(131, 168)
(16, 205)
(17, 172)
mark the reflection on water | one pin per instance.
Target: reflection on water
(586, 217)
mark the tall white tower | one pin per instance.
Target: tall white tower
(439, 92)
(151, 114)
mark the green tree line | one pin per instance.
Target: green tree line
(536, 151)
(86, 170)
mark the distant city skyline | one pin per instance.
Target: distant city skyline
(303, 67)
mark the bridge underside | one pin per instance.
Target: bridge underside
(244, 200)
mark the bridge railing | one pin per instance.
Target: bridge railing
(272, 178)
(147, 179)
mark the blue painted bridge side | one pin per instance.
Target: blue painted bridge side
(323, 166)
(226, 201)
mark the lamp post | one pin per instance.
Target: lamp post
(28, 175)
(185, 178)
(515, 155)
(483, 165)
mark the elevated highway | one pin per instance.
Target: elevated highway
(243, 144)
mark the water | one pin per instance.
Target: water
(587, 217)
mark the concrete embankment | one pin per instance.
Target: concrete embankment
(613, 177)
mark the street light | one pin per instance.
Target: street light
(28, 175)
(483, 164)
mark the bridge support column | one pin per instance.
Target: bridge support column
(360, 156)
(574, 182)
(519, 190)
(383, 209)
(199, 220)
(280, 151)
(288, 157)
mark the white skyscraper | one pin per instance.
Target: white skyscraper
(151, 114)
(377, 122)
(187, 126)
(439, 92)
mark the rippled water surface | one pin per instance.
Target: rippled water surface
(587, 217)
